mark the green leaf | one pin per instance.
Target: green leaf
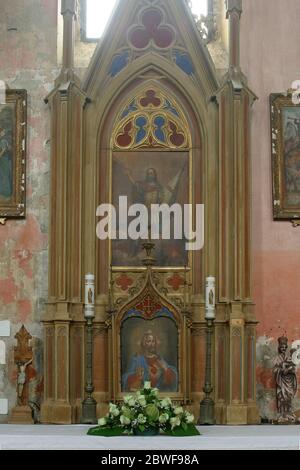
(106, 432)
(152, 412)
(141, 428)
(190, 430)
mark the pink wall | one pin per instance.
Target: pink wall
(28, 55)
(270, 58)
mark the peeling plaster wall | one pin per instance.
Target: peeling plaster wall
(28, 59)
(270, 51)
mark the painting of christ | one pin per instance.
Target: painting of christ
(149, 353)
(150, 178)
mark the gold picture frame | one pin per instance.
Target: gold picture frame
(285, 148)
(13, 125)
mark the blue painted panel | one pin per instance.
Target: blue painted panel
(119, 63)
(131, 108)
(140, 122)
(163, 312)
(170, 108)
(159, 122)
(184, 61)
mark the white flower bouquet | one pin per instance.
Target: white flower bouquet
(144, 413)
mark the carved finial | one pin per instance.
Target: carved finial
(233, 13)
(149, 246)
(69, 13)
(233, 5)
(23, 352)
(69, 6)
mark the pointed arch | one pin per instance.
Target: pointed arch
(150, 314)
(100, 129)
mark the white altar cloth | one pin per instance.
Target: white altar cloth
(55, 437)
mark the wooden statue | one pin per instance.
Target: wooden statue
(23, 356)
(286, 383)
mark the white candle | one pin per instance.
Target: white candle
(210, 299)
(89, 298)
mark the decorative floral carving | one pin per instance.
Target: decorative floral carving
(124, 282)
(175, 281)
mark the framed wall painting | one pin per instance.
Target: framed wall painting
(149, 352)
(285, 136)
(13, 124)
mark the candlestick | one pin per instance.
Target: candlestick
(210, 299)
(207, 405)
(89, 404)
(89, 298)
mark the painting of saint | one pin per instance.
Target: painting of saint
(291, 161)
(150, 178)
(154, 359)
(6, 153)
(13, 126)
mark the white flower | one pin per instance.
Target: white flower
(165, 403)
(178, 410)
(128, 398)
(141, 419)
(113, 409)
(147, 385)
(163, 418)
(142, 400)
(124, 420)
(155, 391)
(189, 417)
(102, 421)
(126, 411)
(175, 422)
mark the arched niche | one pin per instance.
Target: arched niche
(150, 342)
(196, 149)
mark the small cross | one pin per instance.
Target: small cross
(148, 305)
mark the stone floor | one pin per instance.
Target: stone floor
(212, 437)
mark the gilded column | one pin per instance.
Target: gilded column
(66, 104)
(235, 100)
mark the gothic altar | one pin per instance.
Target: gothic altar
(150, 113)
